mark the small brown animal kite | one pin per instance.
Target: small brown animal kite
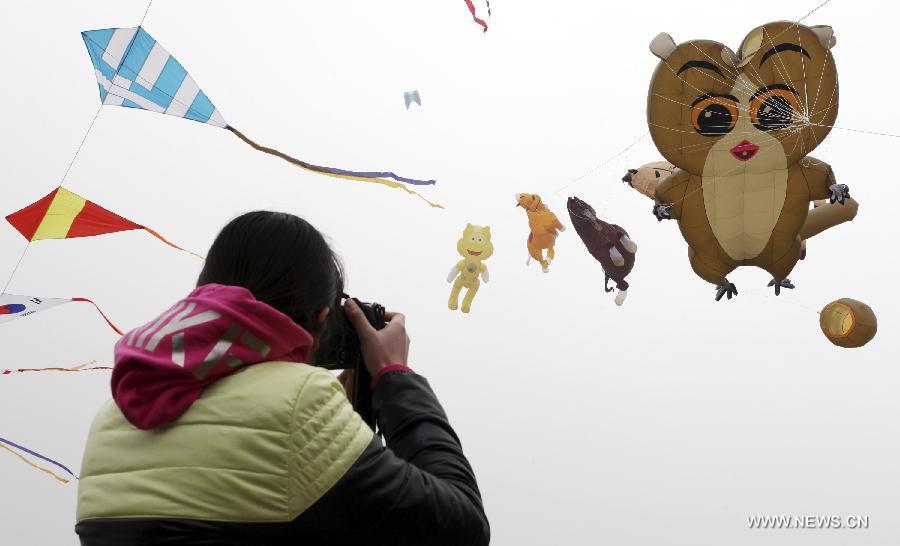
(544, 229)
(609, 244)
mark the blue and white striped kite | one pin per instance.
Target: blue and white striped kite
(135, 71)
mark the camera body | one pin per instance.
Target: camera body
(342, 351)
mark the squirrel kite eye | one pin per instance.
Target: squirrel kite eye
(773, 109)
(714, 116)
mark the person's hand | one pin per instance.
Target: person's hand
(380, 348)
(346, 381)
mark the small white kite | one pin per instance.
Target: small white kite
(410, 97)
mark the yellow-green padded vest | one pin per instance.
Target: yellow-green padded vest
(261, 445)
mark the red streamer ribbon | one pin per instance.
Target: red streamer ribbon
(102, 314)
(475, 17)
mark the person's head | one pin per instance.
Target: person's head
(283, 261)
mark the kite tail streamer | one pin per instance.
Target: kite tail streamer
(170, 243)
(80, 368)
(489, 7)
(41, 468)
(374, 177)
(39, 456)
(475, 17)
(331, 170)
(102, 314)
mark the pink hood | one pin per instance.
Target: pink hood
(163, 366)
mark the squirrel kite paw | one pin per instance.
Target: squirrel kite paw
(662, 212)
(839, 192)
(786, 283)
(727, 289)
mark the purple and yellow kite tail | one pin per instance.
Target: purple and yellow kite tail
(9, 445)
(377, 177)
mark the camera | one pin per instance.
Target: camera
(342, 351)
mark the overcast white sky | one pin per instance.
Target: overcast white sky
(668, 420)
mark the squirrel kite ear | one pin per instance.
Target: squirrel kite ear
(750, 46)
(730, 58)
(825, 34)
(487, 230)
(662, 45)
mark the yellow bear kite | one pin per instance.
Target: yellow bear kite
(474, 246)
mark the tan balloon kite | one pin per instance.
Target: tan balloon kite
(848, 323)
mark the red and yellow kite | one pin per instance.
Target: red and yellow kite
(62, 214)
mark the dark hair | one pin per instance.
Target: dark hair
(282, 260)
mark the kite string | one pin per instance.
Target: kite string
(769, 295)
(80, 145)
(146, 11)
(16, 268)
(603, 163)
(892, 135)
(810, 13)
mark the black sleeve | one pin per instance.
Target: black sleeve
(418, 490)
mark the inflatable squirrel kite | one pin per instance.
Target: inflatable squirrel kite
(738, 127)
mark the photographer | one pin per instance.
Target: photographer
(221, 433)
